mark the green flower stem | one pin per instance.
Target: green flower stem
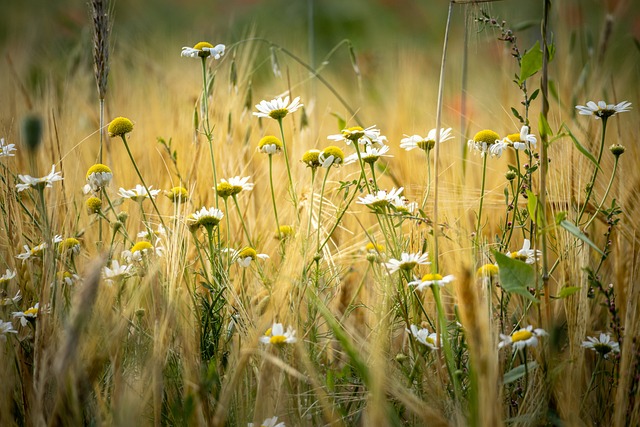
(135, 166)
(244, 226)
(313, 178)
(211, 247)
(595, 172)
(516, 193)
(228, 242)
(373, 177)
(426, 195)
(593, 377)
(362, 173)
(292, 189)
(273, 196)
(197, 245)
(606, 193)
(446, 345)
(207, 125)
(324, 182)
(484, 177)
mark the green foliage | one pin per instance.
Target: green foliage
(518, 372)
(516, 277)
(531, 62)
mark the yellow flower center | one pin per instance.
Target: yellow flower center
(521, 335)
(353, 133)
(487, 136)
(93, 204)
(98, 168)
(517, 256)
(514, 137)
(120, 126)
(248, 252)
(201, 45)
(334, 151)
(278, 339)
(31, 312)
(374, 247)
(285, 231)
(141, 246)
(270, 140)
(67, 244)
(225, 189)
(488, 270)
(178, 194)
(430, 277)
(311, 158)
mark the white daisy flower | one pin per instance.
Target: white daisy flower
(525, 337)
(206, 217)
(526, 139)
(526, 254)
(602, 109)
(496, 149)
(369, 155)
(116, 271)
(150, 234)
(27, 315)
(424, 337)
(331, 156)
(6, 150)
(6, 328)
(98, 177)
(407, 262)
(269, 422)
(29, 253)
(11, 301)
(239, 184)
(381, 198)
(603, 346)
(429, 280)
(203, 50)
(140, 249)
(277, 335)
(138, 193)
(8, 275)
(482, 142)
(425, 142)
(277, 108)
(367, 136)
(403, 205)
(244, 256)
(46, 181)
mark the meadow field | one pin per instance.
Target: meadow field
(315, 213)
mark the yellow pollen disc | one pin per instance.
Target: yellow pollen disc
(224, 189)
(140, 246)
(248, 252)
(487, 136)
(522, 335)
(201, 45)
(514, 137)
(270, 140)
(488, 270)
(429, 277)
(31, 311)
(371, 247)
(515, 255)
(97, 168)
(333, 151)
(268, 332)
(278, 339)
(120, 126)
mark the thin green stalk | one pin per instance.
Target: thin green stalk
(484, 176)
(595, 172)
(135, 166)
(373, 177)
(426, 194)
(228, 242)
(593, 377)
(244, 226)
(292, 189)
(362, 173)
(273, 196)
(324, 182)
(313, 178)
(446, 345)
(207, 127)
(606, 193)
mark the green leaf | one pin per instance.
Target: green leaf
(531, 62)
(515, 276)
(535, 209)
(543, 126)
(573, 229)
(518, 372)
(534, 95)
(517, 115)
(560, 216)
(581, 149)
(567, 291)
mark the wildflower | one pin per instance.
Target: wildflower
(425, 143)
(380, 199)
(311, 158)
(277, 108)
(285, 232)
(429, 280)
(150, 234)
(8, 275)
(277, 335)
(402, 205)
(488, 270)
(482, 141)
(67, 278)
(6, 328)
(245, 256)
(617, 150)
(269, 422)
(177, 194)
(375, 252)
(28, 253)
(141, 249)
(526, 254)
(11, 301)
(27, 315)
(603, 346)
(6, 149)
(524, 139)
(331, 156)
(270, 145)
(207, 217)
(120, 126)
(510, 175)
(116, 271)
(424, 337)
(93, 205)
(98, 177)
(70, 244)
(138, 193)
(370, 155)
(368, 136)
(234, 186)
(525, 337)
(46, 181)
(203, 50)
(407, 262)
(602, 109)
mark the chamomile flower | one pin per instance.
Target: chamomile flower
(177, 194)
(523, 140)
(331, 156)
(11, 301)
(98, 177)
(380, 199)
(424, 337)
(425, 143)
(233, 186)
(70, 245)
(488, 270)
(269, 422)
(67, 278)
(244, 256)
(311, 158)
(482, 141)
(93, 205)
(402, 205)
(525, 337)
(203, 50)
(141, 249)
(276, 335)
(369, 155)
(151, 234)
(7, 276)
(526, 254)
(431, 279)
(6, 328)
(6, 150)
(367, 136)
(407, 262)
(206, 217)
(46, 181)
(278, 108)
(28, 315)
(116, 271)
(602, 109)
(375, 252)
(120, 126)
(285, 232)
(270, 145)
(138, 193)
(604, 346)
(29, 253)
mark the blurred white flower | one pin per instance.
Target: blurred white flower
(277, 335)
(602, 109)
(46, 181)
(203, 50)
